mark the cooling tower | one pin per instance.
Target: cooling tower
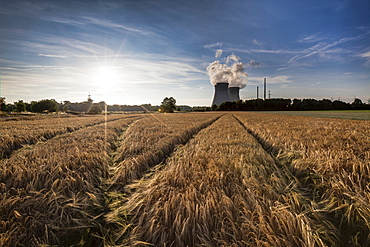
(221, 93)
(234, 93)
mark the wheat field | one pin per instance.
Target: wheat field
(185, 179)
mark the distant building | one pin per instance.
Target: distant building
(78, 106)
(141, 108)
(184, 108)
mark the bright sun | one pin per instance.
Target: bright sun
(107, 77)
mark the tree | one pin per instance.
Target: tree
(95, 109)
(45, 105)
(102, 105)
(65, 108)
(20, 106)
(340, 105)
(168, 105)
(326, 104)
(357, 104)
(2, 102)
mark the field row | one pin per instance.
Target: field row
(55, 192)
(345, 114)
(223, 189)
(148, 142)
(51, 193)
(328, 157)
(220, 189)
(17, 133)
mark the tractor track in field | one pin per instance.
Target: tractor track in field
(131, 189)
(168, 150)
(305, 181)
(55, 176)
(18, 147)
(116, 197)
(303, 178)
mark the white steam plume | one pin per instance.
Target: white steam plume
(232, 58)
(252, 63)
(218, 53)
(232, 72)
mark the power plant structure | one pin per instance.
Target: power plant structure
(225, 93)
(234, 93)
(264, 90)
(228, 78)
(221, 93)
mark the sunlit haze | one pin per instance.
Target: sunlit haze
(138, 52)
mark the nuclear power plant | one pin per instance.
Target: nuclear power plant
(228, 78)
(221, 93)
(225, 93)
(234, 93)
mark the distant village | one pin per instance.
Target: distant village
(88, 106)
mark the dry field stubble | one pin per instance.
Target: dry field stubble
(221, 189)
(328, 157)
(16, 133)
(146, 144)
(216, 186)
(150, 140)
(51, 193)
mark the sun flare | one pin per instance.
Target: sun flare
(107, 77)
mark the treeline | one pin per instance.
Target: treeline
(48, 105)
(290, 105)
(51, 105)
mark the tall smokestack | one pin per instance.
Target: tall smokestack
(264, 88)
(221, 93)
(234, 93)
(257, 92)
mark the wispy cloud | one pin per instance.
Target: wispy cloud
(366, 55)
(280, 79)
(23, 8)
(316, 83)
(283, 68)
(279, 51)
(256, 42)
(321, 47)
(51, 55)
(113, 25)
(311, 38)
(218, 44)
(62, 47)
(72, 22)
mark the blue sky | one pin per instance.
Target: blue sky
(140, 51)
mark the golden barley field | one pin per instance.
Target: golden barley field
(185, 179)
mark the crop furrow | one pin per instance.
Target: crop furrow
(150, 141)
(14, 136)
(219, 189)
(305, 196)
(237, 179)
(145, 147)
(328, 161)
(52, 194)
